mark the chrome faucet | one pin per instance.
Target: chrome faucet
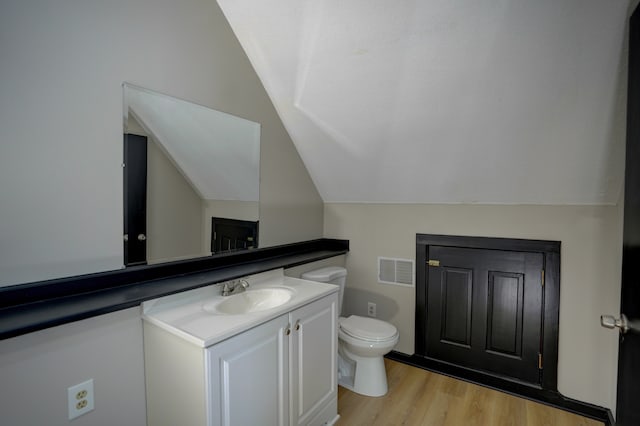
(234, 287)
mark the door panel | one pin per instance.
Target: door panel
(248, 377)
(628, 409)
(135, 199)
(314, 349)
(504, 313)
(455, 306)
(484, 310)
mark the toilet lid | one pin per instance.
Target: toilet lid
(367, 328)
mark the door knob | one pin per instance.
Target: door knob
(609, 321)
(142, 237)
(623, 323)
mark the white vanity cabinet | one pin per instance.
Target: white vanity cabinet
(313, 349)
(281, 372)
(247, 377)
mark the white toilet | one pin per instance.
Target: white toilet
(362, 342)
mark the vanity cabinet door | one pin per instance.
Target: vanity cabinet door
(313, 353)
(248, 377)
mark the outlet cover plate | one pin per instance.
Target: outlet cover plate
(80, 399)
(371, 309)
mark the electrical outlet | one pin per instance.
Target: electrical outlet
(80, 399)
(371, 309)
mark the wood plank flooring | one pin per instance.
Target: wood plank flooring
(418, 397)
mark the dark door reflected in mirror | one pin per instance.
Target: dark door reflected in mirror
(135, 199)
(199, 164)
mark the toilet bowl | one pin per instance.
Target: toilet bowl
(362, 342)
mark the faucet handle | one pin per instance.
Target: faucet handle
(230, 286)
(226, 289)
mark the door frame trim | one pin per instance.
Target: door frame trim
(551, 292)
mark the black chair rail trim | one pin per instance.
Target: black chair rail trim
(25, 308)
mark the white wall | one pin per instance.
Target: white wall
(297, 271)
(231, 209)
(62, 65)
(591, 250)
(36, 370)
(174, 222)
(174, 211)
(178, 219)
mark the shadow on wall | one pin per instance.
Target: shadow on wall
(356, 302)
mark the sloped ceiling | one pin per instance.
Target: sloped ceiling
(440, 101)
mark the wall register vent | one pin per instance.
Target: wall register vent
(395, 271)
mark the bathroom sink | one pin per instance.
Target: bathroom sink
(253, 300)
(204, 316)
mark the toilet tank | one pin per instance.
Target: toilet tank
(329, 274)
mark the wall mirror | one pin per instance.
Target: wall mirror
(191, 179)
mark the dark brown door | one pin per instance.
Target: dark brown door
(135, 200)
(628, 405)
(484, 310)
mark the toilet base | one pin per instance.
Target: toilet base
(363, 375)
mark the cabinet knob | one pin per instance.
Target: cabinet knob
(287, 331)
(297, 325)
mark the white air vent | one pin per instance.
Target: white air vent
(395, 271)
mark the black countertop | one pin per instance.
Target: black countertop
(30, 307)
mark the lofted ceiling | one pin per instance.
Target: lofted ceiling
(440, 101)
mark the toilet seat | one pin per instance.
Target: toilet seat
(367, 329)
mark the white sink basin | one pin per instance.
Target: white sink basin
(204, 317)
(253, 300)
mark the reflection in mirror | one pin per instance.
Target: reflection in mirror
(188, 169)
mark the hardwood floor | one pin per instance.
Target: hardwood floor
(418, 397)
